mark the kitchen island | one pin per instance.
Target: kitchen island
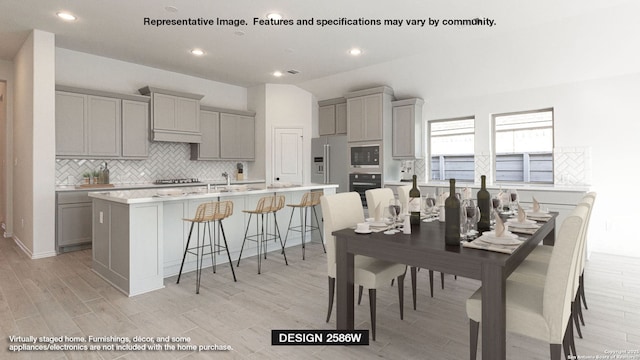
(139, 235)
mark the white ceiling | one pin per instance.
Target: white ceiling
(115, 29)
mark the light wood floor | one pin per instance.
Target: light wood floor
(61, 296)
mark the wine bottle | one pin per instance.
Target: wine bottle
(452, 216)
(414, 203)
(484, 203)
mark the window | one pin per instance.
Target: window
(524, 146)
(451, 149)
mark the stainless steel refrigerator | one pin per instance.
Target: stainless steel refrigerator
(330, 161)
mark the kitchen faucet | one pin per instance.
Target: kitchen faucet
(226, 176)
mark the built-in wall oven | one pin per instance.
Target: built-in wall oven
(365, 158)
(362, 182)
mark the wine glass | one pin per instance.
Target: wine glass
(394, 209)
(496, 204)
(513, 206)
(463, 222)
(471, 214)
(429, 203)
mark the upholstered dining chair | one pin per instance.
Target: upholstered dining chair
(534, 267)
(381, 197)
(539, 311)
(403, 197)
(344, 210)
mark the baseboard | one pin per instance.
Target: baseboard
(30, 254)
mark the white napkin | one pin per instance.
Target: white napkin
(378, 212)
(522, 216)
(499, 229)
(536, 205)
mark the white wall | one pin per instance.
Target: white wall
(287, 106)
(96, 72)
(34, 145)
(589, 74)
(6, 74)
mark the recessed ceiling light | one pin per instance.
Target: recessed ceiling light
(274, 16)
(66, 16)
(197, 52)
(277, 73)
(171, 9)
(355, 52)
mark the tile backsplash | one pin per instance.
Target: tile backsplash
(167, 160)
(572, 165)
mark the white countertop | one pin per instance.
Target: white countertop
(200, 192)
(64, 188)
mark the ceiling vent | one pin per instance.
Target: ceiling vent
(293, 72)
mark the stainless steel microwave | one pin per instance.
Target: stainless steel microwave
(365, 156)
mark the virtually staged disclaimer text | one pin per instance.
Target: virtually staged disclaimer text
(109, 343)
(341, 21)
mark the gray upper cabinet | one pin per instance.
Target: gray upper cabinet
(366, 113)
(341, 118)
(209, 148)
(70, 123)
(237, 137)
(103, 126)
(332, 116)
(175, 116)
(98, 124)
(135, 129)
(407, 129)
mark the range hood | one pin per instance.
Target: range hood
(175, 115)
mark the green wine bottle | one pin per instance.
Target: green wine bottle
(452, 216)
(484, 203)
(414, 203)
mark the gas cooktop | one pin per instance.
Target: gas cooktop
(176, 181)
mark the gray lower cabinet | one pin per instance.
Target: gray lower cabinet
(73, 219)
(237, 137)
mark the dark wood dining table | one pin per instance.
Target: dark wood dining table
(425, 248)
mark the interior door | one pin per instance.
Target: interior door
(288, 156)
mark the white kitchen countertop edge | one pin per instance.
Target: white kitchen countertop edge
(150, 195)
(117, 187)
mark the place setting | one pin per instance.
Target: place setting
(385, 219)
(537, 213)
(521, 223)
(500, 239)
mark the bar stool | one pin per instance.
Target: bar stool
(266, 206)
(207, 213)
(309, 200)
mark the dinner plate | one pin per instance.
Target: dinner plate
(376, 223)
(526, 225)
(500, 240)
(539, 212)
(506, 235)
(515, 220)
(363, 232)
